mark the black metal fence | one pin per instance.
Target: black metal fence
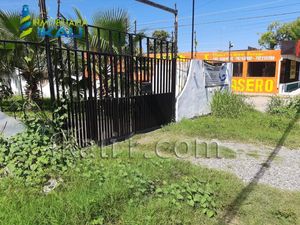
(114, 84)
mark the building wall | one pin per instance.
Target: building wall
(247, 61)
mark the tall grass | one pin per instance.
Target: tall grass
(228, 105)
(284, 107)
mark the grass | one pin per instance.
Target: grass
(15, 106)
(254, 154)
(142, 190)
(20, 115)
(113, 191)
(254, 127)
(182, 147)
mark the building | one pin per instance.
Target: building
(261, 71)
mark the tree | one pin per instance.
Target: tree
(115, 20)
(160, 35)
(18, 56)
(278, 32)
(33, 71)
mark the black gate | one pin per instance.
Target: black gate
(114, 84)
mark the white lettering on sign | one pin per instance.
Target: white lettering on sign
(262, 58)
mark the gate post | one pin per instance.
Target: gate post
(43, 14)
(174, 74)
(50, 71)
(92, 131)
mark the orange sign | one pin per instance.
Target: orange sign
(238, 56)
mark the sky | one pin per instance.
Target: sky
(217, 21)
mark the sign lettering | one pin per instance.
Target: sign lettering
(254, 85)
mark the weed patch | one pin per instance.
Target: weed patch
(284, 107)
(228, 105)
(38, 153)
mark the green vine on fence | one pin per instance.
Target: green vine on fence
(45, 150)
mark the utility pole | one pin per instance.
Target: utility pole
(43, 11)
(170, 10)
(44, 17)
(193, 29)
(230, 47)
(196, 43)
(176, 30)
(135, 27)
(58, 8)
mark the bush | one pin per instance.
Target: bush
(5, 90)
(284, 107)
(227, 104)
(41, 152)
(16, 103)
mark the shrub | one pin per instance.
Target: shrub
(195, 193)
(5, 90)
(284, 107)
(227, 104)
(16, 103)
(295, 103)
(42, 151)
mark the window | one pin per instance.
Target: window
(238, 69)
(261, 69)
(293, 70)
(283, 71)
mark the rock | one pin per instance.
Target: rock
(51, 185)
(9, 126)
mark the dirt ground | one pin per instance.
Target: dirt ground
(259, 102)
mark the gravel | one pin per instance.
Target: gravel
(282, 172)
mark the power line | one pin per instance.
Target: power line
(234, 9)
(228, 33)
(246, 24)
(242, 29)
(225, 11)
(247, 18)
(230, 20)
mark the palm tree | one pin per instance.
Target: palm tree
(114, 22)
(19, 56)
(113, 25)
(10, 27)
(33, 71)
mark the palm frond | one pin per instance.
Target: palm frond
(115, 19)
(9, 24)
(78, 14)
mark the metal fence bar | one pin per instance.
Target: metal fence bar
(119, 84)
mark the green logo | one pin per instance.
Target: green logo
(26, 24)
